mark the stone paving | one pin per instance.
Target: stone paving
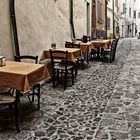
(103, 104)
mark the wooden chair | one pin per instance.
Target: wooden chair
(36, 88)
(110, 52)
(7, 99)
(85, 38)
(116, 43)
(79, 60)
(61, 68)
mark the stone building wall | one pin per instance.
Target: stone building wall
(6, 47)
(40, 23)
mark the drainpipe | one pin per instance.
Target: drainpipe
(14, 26)
(106, 17)
(71, 18)
(113, 20)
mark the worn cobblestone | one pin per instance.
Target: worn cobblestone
(103, 103)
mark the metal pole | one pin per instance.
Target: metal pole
(113, 20)
(14, 26)
(106, 17)
(71, 18)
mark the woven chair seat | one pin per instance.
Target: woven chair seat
(107, 49)
(80, 58)
(59, 67)
(6, 98)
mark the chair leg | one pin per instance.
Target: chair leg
(38, 97)
(76, 69)
(58, 76)
(16, 116)
(10, 109)
(65, 79)
(33, 94)
(53, 78)
(18, 106)
(111, 59)
(72, 77)
(36, 91)
(82, 64)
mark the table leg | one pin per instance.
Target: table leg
(87, 58)
(98, 53)
(17, 110)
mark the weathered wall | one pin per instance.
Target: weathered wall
(80, 17)
(110, 15)
(6, 48)
(40, 23)
(100, 26)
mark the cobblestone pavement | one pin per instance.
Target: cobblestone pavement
(104, 103)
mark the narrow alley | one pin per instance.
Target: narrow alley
(104, 103)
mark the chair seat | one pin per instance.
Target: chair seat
(59, 67)
(80, 58)
(6, 98)
(106, 51)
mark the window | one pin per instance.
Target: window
(134, 13)
(124, 8)
(116, 3)
(129, 12)
(108, 23)
(139, 15)
(93, 2)
(99, 11)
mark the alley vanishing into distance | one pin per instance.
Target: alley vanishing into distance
(104, 103)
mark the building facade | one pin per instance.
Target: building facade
(138, 17)
(41, 23)
(98, 19)
(122, 16)
(130, 18)
(112, 19)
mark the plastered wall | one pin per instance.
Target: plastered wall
(6, 48)
(40, 23)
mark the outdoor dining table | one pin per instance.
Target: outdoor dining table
(101, 43)
(86, 48)
(21, 76)
(73, 53)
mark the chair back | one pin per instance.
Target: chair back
(59, 58)
(29, 58)
(71, 45)
(85, 38)
(68, 44)
(113, 49)
(116, 43)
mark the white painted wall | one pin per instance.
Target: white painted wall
(6, 47)
(130, 20)
(80, 17)
(110, 15)
(40, 23)
(121, 19)
(138, 19)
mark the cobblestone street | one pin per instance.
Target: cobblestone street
(104, 103)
